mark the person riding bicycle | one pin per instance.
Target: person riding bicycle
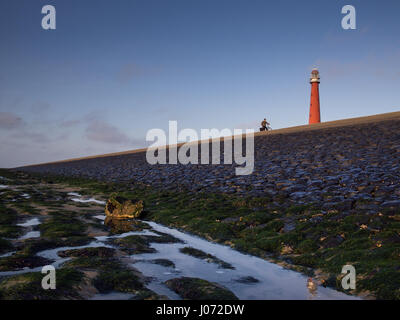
(264, 124)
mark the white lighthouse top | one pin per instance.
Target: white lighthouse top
(314, 76)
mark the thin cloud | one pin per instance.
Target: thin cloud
(9, 120)
(35, 137)
(40, 107)
(69, 123)
(130, 71)
(100, 131)
(376, 65)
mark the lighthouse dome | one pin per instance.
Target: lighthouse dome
(314, 76)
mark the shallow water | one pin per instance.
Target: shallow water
(88, 200)
(81, 198)
(75, 194)
(30, 223)
(52, 253)
(275, 282)
(30, 235)
(126, 234)
(100, 217)
(112, 296)
(8, 254)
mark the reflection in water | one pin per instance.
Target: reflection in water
(312, 287)
(123, 225)
(118, 226)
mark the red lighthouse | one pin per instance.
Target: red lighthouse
(315, 115)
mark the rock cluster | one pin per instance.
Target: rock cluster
(344, 168)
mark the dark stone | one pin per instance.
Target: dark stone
(247, 280)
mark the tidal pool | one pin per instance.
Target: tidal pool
(268, 280)
(274, 282)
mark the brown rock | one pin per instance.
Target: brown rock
(121, 208)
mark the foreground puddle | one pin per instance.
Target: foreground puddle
(269, 281)
(248, 277)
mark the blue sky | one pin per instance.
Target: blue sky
(112, 70)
